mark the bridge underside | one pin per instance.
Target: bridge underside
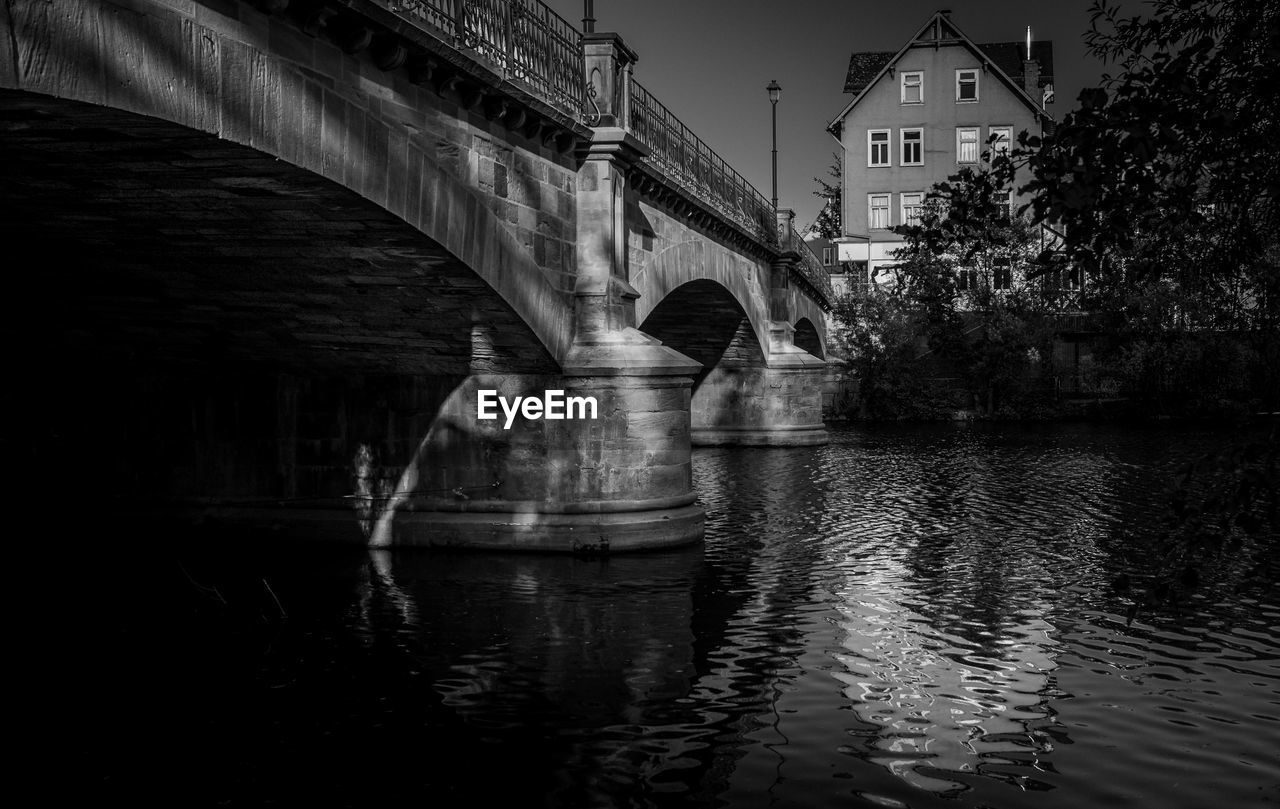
(740, 397)
(305, 310)
(192, 321)
(158, 246)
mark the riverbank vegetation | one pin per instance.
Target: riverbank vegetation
(1142, 276)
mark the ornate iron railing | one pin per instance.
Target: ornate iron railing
(810, 267)
(532, 44)
(528, 41)
(685, 160)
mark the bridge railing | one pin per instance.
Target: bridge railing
(809, 268)
(532, 44)
(689, 163)
(525, 38)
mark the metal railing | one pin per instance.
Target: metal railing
(527, 40)
(532, 44)
(810, 267)
(687, 162)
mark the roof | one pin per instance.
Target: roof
(866, 68)
(1008, 56)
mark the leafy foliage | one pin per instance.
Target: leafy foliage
(1167, 176)
(961, 305)
(1224, 520)
(828, 225)
(1165, 182)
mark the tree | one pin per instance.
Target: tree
(968, 263)
(828, 224)
(961, 304)
(1165, 182)
(1167, 178)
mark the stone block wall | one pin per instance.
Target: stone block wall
(225, 67)
(666, 251)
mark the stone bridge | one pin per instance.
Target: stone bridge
(265, 255)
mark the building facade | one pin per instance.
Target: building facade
(920, 114)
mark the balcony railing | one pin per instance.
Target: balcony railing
(687, 162)
(810, 268)
(528, 41)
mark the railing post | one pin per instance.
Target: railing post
(606, 60)
(508, 24)
(624, 100)
(780, 275)
(460, 20)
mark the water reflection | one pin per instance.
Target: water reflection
(934, 701)
(949, 649)
(903, 618)
(953, 563)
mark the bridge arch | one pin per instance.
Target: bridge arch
(703, 320)
(804, 308)
(807, 338)
(702, 266)
(384, 143)
(174, 247)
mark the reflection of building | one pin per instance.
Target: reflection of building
(920, 114)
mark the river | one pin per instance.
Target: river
(908, 617)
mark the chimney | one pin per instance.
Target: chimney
(1031, 78)
(1030, 71)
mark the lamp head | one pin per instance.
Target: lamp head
(775, 91)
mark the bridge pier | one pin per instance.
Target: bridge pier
(619, 481)
(770, 400)
(744, 403)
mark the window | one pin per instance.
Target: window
(912, 206)
(1001, 137)
(967, 144)
(913, 88)
(826, 257)
(967, 278)
(967, 85)
(1002, 277)
(877, 211)
(877, 147)
(911, 151)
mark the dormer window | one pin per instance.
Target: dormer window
(913, 87)
(967, 85)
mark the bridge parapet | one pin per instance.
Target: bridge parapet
(808, 270)
(529, 46)
(524, 39)
(686, 163)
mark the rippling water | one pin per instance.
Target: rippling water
(908, 617)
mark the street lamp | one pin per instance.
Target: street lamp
(588, 17)
(775, 93)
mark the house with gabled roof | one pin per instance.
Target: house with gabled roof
(921, 113)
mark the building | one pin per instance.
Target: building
(921, 113)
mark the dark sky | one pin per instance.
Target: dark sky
(710, 60)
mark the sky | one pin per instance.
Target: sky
(709, 61)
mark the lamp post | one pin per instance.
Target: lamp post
(588, 17)
(775, 93)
